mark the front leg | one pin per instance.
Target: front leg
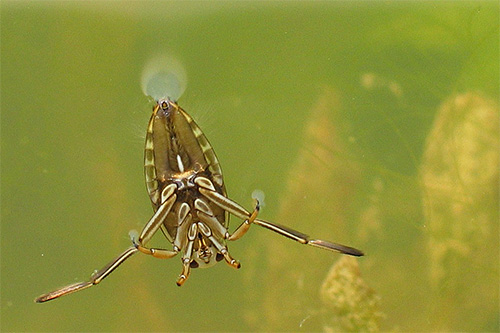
(188, 255)
(220, 247)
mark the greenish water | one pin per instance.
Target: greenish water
(371, 124)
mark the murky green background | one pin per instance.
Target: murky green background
(370, 124)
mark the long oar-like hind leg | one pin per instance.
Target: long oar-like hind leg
(208, 191)
(304, 239)
(94, 279)
(168, 199)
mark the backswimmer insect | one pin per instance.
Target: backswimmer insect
(185, 184)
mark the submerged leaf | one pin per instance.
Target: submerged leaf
(349, 303)
(320, 186)
(460, 177)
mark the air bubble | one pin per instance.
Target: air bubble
(260, 196)
(163, 77)
(133, 234)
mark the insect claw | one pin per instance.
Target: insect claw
(254, 214)
(231, 261)
(257, 204)
(235, 263)
(185, 271)
(181, 280)
(184, 275)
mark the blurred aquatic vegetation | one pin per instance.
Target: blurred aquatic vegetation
(349, 304)
(460, 178)
(320, 185)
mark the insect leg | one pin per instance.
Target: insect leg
(188, 255)
(304, 239)
(94, 279)
(156, 252)
(184, 219)
(205, 212)
(206, 189)
(214, 224)
(243, 228)
(221, 248)
(168, 198)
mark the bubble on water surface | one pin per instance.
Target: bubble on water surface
(163, 77)
(133, 234)
(260, 196)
